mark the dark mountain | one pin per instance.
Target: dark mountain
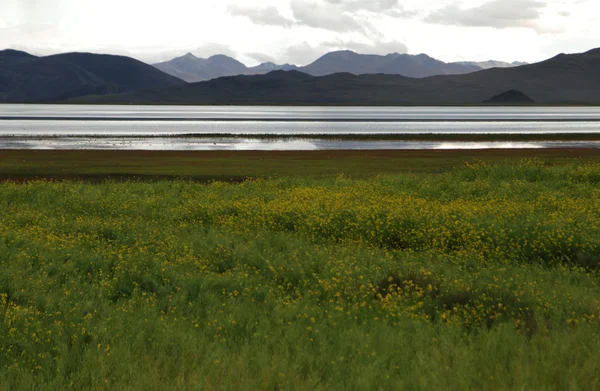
(193, 69)
(13, 55)
(125, 72)
(510, 96)
(393, 64)
(26, 78)
(571, 78)
(267, 67)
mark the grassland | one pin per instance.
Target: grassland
(436, 274)
(205, 166)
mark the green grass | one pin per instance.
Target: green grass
(479, 277)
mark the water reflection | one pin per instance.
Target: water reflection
(305, 112)
(29, 128)
(247, 144)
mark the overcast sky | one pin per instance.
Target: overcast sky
(299, 31)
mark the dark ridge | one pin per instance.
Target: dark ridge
(26, 78)
(287, 75)
(129, 74)
(593, 51)
(510, 96)
(16, 54)
(565, 79)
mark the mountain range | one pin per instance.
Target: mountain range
(28, 78)
(570, 79)
(88, 77)
(193, 69)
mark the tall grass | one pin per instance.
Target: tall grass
(484, 277)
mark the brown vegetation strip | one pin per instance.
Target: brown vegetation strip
(325, 154)
(235, 166)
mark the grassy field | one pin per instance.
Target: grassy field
(437, 274)
(239, 165)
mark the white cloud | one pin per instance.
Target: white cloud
(264, 16)
(327, 16)
(261, 57)
(496, 13)
(387, 7)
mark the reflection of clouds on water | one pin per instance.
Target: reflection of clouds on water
(29, 128)
(157, 144)
(254, 144)
(283, 113)
(279, 145)
(490, 145)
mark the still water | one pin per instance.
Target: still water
(312, 113)
(246, 144)
(29, 128)
(206, 127)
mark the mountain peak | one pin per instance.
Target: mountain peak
(510, 96)
(14, 53)
(220, 56)
(194, 69)
(423, 55)
(340, 52)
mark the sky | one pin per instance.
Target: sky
(300, 31)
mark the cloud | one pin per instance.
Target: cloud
(38, 38)
(261, 57)
(263, 16)
(304, 54)
(369, 5)
(347, 16)
(387, 7)
(497, 14)
(327, 16)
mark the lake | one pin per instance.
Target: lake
(206, 127)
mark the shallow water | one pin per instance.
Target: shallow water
(32, 128)
(228, 144)
(285, 113)
(163, 127)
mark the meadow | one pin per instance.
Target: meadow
(484, 275)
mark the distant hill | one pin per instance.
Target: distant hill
(10, 55)
(27, 78)
(510, 96)
(266, 67)
(393, 64)
(193, 69)
(565, 78)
